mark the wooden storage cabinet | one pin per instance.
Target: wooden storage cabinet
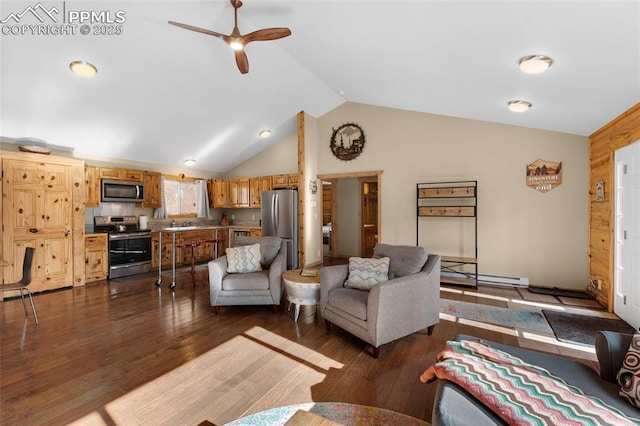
(152, 190)
(220, 193)
(284, 181)
(256, 186)
(121, 174)
(96, 258)
(239, 192)
(202, 253)
(454, 200)
(91, 186)
(166, 249)
(223, 234)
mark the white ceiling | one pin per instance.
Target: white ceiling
(164, 94)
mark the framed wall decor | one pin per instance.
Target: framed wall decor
(544, 175)
(347, 141)
(600, 191)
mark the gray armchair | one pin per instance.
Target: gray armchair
(253, 288)
(408, 302)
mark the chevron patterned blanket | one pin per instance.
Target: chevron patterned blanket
(518, 392)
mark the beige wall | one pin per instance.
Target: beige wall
(281, 157)
(521, 231)
(313, 202)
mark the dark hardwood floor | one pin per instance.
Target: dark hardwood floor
(127, 352)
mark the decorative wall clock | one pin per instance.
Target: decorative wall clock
(347, 141)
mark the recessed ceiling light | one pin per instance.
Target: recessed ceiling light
(519, 106)
(189, 162)
(265, 133)
(83, 69)
(534, 64)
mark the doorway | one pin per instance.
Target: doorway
(351, 214)
(627, 234)
(369, 216)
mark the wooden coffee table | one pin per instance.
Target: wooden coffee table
(301, 290)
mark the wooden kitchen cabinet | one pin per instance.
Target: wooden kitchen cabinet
(255, 232)
(152, 190)
(96, 258)
(223, 234)
(256, 186)
(43, 208)
(91, 186)
(121, 174)
(202, 253)
(284, 181)
(239, 192)
(220, 193)
(280, 181)
(166, 249)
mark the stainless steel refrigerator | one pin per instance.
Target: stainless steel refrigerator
(280, 219)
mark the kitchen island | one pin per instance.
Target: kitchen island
(197, 238)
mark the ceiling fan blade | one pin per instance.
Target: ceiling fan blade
(222, 37)
(265, 34)
(242, 61)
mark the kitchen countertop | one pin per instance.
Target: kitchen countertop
(206, 227)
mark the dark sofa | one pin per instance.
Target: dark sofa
(454, 406)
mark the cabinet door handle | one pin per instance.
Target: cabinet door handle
(33, 230)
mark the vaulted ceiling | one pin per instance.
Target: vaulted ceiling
(164, 94)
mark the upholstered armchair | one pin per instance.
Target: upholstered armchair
(408, 302)
(250, 288)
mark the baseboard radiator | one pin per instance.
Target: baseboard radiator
(505, 280)
(493, 279)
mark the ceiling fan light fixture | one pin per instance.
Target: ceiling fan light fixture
(189, 162)
(265, 133)
(535, 64)
(236, 45)
(519, 106)
(83, 69)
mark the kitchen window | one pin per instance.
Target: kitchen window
(180, 198)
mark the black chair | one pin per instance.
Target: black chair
(22, 285)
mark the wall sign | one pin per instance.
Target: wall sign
(600, 191)
(544, 175)
(347, 141)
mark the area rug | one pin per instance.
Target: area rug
(537, 297)
(528, 320)
(581, 329)
(554, 291)
(583, 303)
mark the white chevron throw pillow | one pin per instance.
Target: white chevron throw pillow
(243, 259)
(365, 273)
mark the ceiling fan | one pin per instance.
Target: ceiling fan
(238, 41)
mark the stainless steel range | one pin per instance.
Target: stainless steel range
(129, 247)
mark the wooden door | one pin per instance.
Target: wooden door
(369, 216)
(38, 212)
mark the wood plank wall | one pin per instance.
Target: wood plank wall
(622, 131)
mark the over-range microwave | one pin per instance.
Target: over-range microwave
(121, 191)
